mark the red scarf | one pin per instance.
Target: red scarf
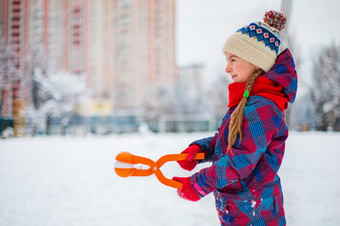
(262, 87)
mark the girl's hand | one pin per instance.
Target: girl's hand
(187, 191)
(190, 163)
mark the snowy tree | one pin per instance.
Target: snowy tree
(326, 91)
(288, 40)
(189, 98)
(303, 114)
(159, 100)
(8, 71)
(54, 95)
(217, 97)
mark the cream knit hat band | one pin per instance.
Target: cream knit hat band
(258, 43)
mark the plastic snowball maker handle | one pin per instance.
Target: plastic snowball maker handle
(124, 166)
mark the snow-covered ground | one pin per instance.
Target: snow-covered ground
(71, 181)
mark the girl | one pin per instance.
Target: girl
(247, 151)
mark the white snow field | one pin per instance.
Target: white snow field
(71, 181)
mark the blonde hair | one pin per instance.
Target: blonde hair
(236, 119)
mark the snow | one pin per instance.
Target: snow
(123, 165)
(71, 181)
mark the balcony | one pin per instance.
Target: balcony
(16, 7)
(15, 31)
(15, 45)
(16, 38)
(15, 23)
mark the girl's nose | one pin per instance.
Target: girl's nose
(227, 69)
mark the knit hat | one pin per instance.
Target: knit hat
(258, 43)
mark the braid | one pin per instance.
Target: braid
(236, 119)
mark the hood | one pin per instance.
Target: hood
(283, 73)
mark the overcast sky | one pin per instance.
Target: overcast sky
(203, 26)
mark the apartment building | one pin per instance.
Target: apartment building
(124, 47)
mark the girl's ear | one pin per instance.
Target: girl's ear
(256, 67)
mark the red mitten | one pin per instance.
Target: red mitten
(186, 192)
(189, 163)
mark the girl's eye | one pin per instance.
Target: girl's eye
(230, 60)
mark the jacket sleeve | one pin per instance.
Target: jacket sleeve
(262, 121)
(208, 146)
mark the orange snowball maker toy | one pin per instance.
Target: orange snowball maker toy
(124, 166)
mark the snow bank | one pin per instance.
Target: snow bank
(71, 181)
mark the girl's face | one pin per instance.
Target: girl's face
(240, 70)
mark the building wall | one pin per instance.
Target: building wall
(13, 28)
(191, 78)
(144, 49)
(13, 24)
(5, 89)
(76, 35)
(98, 49)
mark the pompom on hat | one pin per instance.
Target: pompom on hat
(258, 43)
